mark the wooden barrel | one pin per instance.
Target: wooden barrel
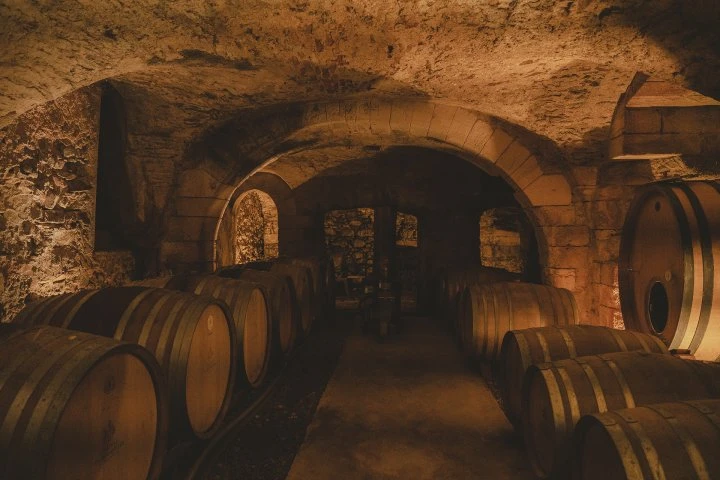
(302, 283)
(453, 283)
(192, 337)
(323, 282)
(522, 348)
(250, 312)
(491, 310)
(74, 405)
(279, 290)
(555, 395)
(669, 253)
(663, 441)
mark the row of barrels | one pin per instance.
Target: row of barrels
(591, 402)
(96, 384)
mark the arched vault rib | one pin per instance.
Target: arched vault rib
(531, 164)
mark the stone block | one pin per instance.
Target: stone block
(441, 121)
(512, 158)
(549, 190)
(585, 176)
(462, 123)
(568, 257)
(568, 236)
(527, 172)
(642, 120)
(609, 214)
(608, 250)
(562, 278)
(496, 145)
(557, 215)
(380, 117)
(401, 116)
(608, 273)
(691, 120)
(685, 143)
(422, 114)
(478, 136)
(608, 296)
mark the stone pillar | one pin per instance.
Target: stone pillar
(384, 229)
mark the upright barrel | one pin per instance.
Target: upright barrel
(669, 253)
(557, 394)
(191, 336)
(249, 307)
(667, 440)
(522, 348)
(491, 310)
(74, 405)
(302, 282)
(285, 319)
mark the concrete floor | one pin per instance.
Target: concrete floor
(411, 409)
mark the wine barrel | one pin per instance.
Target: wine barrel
(669, 253)
(522, 348)
(453, 283)
(279, 289)
(323, 282)
(667, 440)
(250, 312)
(192, 337)
(555, 395)
(74, 405)
(490, 310)
(302, 282)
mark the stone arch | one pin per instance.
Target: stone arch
(248, 230)
(533, 165)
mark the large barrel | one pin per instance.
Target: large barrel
(74, 405)
(669, 253)
(285, 319)
(192, 337)
(557, 394)
(302, 282)
(663, 441)
(453, 283)
(249, 307)
(491, 310)
(522, 348)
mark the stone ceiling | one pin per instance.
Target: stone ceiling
(556, 68)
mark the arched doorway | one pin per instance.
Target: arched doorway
(248, 230)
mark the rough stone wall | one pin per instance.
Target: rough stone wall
(249, 241)
(406, 230)
(501, 244)
(349, 236)
(48, 163)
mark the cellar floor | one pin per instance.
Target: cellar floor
(408, 408)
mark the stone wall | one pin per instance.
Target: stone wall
(349, 240)
(406, 230)
(249, 239)
(48, 162)
(501, 244)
